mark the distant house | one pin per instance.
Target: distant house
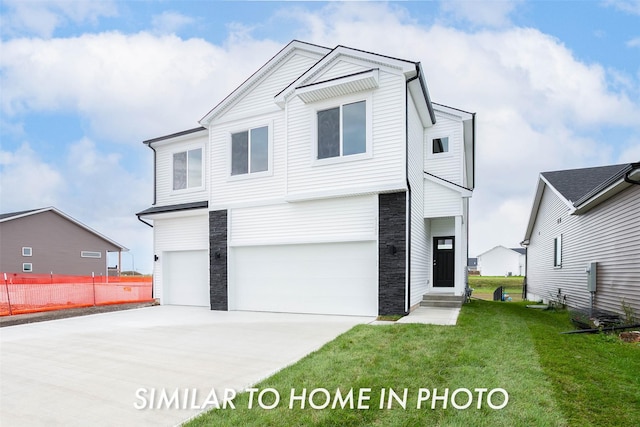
(585, 225)
(43, 241)
(472, 265)
(502, 261)
(328, 182)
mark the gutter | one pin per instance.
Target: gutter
(635, 167)
(143, 221)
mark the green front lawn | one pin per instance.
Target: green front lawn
(551, 379)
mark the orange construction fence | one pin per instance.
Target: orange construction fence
(31, 293)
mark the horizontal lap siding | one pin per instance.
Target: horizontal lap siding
(164, 172)
(447, 166)
(440, 201)
(177, 234)
(386, 167)
(608, 234)
(341, 219)
(420, 260)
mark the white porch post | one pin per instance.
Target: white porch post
(460, 261)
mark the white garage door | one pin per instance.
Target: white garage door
(186, 278)
(332, 278)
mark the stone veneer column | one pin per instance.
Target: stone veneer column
(218, 260)
(392, 253)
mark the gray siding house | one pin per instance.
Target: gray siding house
(42, 241)
(585, 224)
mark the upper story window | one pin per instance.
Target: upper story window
(187, 169)
(342, 130)
(250, 151)
(27, 251)
(440, 145)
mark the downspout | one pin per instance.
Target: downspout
(154, 175)
(144, 222)
(406, 161)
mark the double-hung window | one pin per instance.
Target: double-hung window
(342, 130)
(187, 169)
(250, 151)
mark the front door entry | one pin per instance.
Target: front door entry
(443, 262)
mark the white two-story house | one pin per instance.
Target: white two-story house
(328, 182)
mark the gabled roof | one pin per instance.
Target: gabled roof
(583, 189)
(16, 215)
(501, 247)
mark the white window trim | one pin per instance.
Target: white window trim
(429, 142)
(91, 254)
(557, 251)
(333, 103)
(26, 269)
(251, 175)
(204, 174)
(30, 250)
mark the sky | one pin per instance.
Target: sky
(554, 85)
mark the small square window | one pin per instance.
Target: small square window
(27, 267)
(440, 145)
(27, 251)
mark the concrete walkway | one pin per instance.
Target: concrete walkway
(94, 370)
(432, 316)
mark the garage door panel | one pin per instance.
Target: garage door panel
(186, 275)
(331, 278)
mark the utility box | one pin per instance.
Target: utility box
(591, 271)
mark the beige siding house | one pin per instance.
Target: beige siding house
(328, 182)
(585, 223)
(45, 241)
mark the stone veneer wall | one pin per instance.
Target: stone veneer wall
(218, 260)
(392, 253)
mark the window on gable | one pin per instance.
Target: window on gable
(557, 251)
(250, 151)
(27, 251)
(342, 131)
(440, 145)
(187, 169)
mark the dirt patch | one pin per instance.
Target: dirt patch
(20, 319)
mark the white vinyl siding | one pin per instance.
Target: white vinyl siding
(165, 193)
(184, 233)
(440, 201)
(383, 171)
(450, 165)
(420, 260)
(609, 235)
(341, 219)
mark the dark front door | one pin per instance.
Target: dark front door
(443, 262)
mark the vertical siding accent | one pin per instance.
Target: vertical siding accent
(183, 233)
(392, 231)
(449, 165)
(218, 281)
(609, 234)
(420, 263)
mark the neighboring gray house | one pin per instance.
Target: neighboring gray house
(472, 265)
(585, 223)
(327, 182)
(46, 240)
(502, 261)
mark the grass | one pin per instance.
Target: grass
(483, 286)
(551, 379)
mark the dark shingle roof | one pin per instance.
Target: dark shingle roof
(521, 251)
(573, 184)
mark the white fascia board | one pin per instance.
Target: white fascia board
(602, 196)
(569, 203)
(542, 184)
(460, 114)
(184, 137)
(464, 192)
(73, 220)
(234, 96)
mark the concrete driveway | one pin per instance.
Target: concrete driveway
(95, 370)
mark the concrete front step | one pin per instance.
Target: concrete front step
(442, 300)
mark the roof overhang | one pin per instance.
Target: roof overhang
(464, 192)
(157, 212)
(340, 86)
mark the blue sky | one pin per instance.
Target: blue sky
(555, 85)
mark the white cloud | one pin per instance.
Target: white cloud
(42, 18)
(170, 22)
(635, 42)
(28, 182)
(629, 6)
(481, 13)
